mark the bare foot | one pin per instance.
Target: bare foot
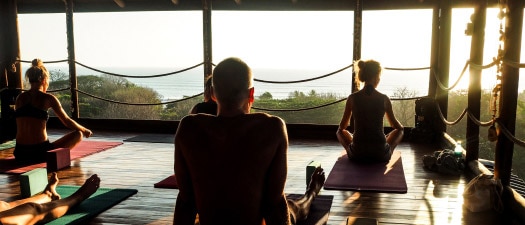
(317, 181)
(89, 187)
(50, 189)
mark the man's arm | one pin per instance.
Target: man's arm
(275, 207)
(185, 207)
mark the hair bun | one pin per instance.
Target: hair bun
(37, 62)
(361, 64)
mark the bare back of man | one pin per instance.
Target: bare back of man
(231, 168)
(236, 163)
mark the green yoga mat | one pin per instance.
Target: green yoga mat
(8, 145)
(100, 201)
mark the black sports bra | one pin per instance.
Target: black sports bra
(31, 111)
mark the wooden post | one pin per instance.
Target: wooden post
(10, 69)
(73, 83)
(358, 23)
(9, 46)
(206, 26)
(509, 89)
(434, 53)
(474, 91)
(443, 63)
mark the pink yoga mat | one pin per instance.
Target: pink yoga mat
(84, 148)
(375, 177)
(168, 182)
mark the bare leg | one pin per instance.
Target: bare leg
(31, 213)
(300, 208)
(345, 138)
(69, 140)
(49, 194)
(394, 138)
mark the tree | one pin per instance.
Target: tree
(404, 110)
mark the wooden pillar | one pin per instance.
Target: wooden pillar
(10, 69)
(509, 88)
(443, 54)
(206, 26)
(73, 83)
(474, 92)
(434, 53)
(358, 23)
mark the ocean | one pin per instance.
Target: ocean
(191, 82)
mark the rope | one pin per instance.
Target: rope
(409, 98)
(58, 90)
(131, 76)
(46, 62)
(442, 86)
(479, 123)
(305, 80)
(482, 67)
(407, 69)
(514, 64)
(509, 135)
(138, 104)
(300, 109)
(446, 121)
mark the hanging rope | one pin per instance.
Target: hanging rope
(408, 98)
(514, 64)
(132, 76)
(445, 119)
(46, 62)
(407, 69)
(467, 64)
(445, 88)
(58, 90)
(508, 134)
(139, 104)
(305, 80)
(301, 109)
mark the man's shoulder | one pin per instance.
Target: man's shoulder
(266, 117)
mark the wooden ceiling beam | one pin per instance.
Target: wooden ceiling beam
(57, 6)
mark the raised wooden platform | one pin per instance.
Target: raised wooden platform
(431, 199)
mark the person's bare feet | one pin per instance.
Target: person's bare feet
(50, 189)
(89, 187)
(317, 181)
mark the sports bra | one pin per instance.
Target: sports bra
(31, 111)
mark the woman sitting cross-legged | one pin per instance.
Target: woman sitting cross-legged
(368, 107)
(31, 111)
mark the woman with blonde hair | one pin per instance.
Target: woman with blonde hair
(31, 111)
(368, 107)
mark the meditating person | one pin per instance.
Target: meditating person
(368, 107)
(209, 105)
(47, 205)
(232, 168)
(31, 112)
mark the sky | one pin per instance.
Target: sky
(306, 40)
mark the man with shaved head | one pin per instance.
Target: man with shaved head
(231, 168)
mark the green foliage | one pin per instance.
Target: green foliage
(177, 110)
(298, 101)
(110, 88)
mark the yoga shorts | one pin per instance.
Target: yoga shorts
(368, 155)
(36, 152)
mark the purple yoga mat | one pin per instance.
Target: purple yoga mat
(349, 175)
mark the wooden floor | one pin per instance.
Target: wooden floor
(431, 198)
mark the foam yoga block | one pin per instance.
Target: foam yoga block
(58, 159)
(33, 182)
(310, 168)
